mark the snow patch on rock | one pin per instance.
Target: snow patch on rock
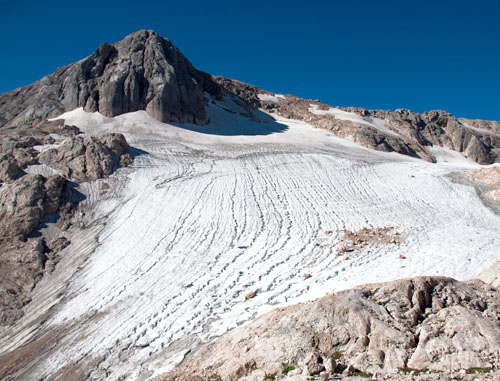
(271, 98)
(376, 123)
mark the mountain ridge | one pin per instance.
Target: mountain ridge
(145, 71)
(402, 130)
(232, 206)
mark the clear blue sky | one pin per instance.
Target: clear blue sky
(419, 55)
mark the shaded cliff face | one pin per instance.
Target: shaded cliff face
(144, 71)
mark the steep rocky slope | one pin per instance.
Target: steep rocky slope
(402, 131)
(144, 71)
(37, 188)
(433, 326)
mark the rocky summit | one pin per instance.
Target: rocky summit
(157, 222)
(142, 72)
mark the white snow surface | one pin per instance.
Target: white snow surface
(376, 123)
(213, 212)
(270, 97)
(447, 156)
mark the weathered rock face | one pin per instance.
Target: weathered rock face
(427, 323)
(442, 129)
(15, 153)
(8, 168)
(27, 199)
(489, 177)
(404, 131)
(23, 207)
(144, 71)
(87, 158)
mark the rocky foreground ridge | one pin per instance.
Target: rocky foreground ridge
(424, 328)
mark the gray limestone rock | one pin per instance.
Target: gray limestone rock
(425, 324)
(21, 207)
(87, 158)
(21, 267)
(24, 204)
(409, 133)
(144, 71)
(8, 168)
(15, 153)
(27, 199)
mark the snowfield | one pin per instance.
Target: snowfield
(339, 114)
(211, 213)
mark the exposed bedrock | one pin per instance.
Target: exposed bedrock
(144, 71)
(87, 158)
(24, 257)
(433, 324)
(407, 132)
(28, 200)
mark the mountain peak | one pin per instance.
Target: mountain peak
(144, 71)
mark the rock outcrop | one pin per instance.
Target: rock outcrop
(433, 325)
(87, 158)
(443, 129)
(401, 131)
(16, 153)
(144, 71)
(26, 200)
(24, 204)
(490, 179)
